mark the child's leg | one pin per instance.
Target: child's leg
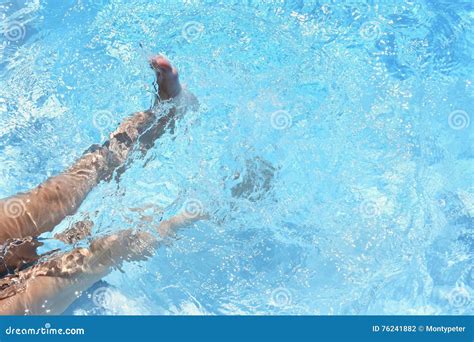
(41, 209)
(50, 287)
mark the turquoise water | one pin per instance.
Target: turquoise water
(333, 148)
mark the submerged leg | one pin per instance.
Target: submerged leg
(41, 209)
(50, 287)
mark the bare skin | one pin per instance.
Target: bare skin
(41, 209)
(49, 287)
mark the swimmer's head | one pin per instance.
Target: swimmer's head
(166, 76)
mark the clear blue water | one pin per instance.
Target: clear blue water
(333, 148)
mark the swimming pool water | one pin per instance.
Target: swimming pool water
(333, 148)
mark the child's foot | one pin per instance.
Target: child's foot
(167, 78)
